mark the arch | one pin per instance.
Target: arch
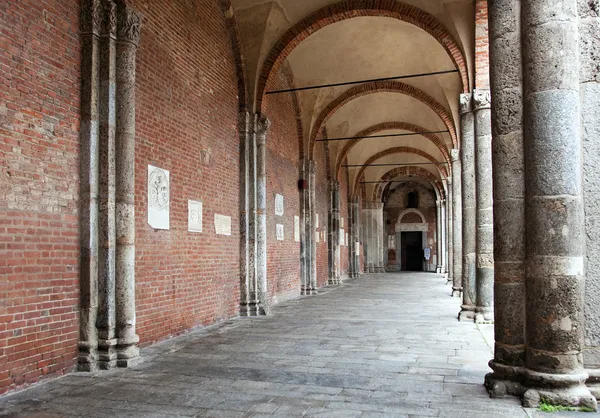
(392, 151)
(407, 211)
(387, 126)
(236, 47)
(349, 9)
(382, 87)
(407, 171)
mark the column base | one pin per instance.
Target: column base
(484, 315)
(379, 269)
(253, 308)
(558, 389)
(128, 354)
(107, 354)
(87, 359)
(456, 292)
(308, 291)
(593, 383)
(504, 380)
(334, 281)
(467, 313)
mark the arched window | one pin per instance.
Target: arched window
(413, 200)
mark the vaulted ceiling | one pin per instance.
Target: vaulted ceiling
(326, 42)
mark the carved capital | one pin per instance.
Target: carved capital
(109, 18)
(311, 167)
(482, 99)
(465, 103)
(455, 154)
(262, 127)
(91, 17)
(129, 24)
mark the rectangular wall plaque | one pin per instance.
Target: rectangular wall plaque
(194, 216)
(280, 236)
(297, 228)
(317, 236)
(342, 237)
(346, 239)
(158, 198)
(222, 224)
(342, 221)
(317, 220)
(278, 205)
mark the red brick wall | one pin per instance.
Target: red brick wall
(322, 208)
(283, 164)
(186, 99)
(39, 189)
(482, 48)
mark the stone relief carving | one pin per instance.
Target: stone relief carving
(109, 21)
(280, 232)
(158, 197)
(482, 99)
(465, 103)
(278, 205)
(91, 16)
(194, 216)
(222, 224)
(455, 154)
(129, 24)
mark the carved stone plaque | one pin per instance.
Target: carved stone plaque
(158, 198)
(278, 205)
(222, 224)
(346, 239)
(297, 228)
(317, 220)
(194, 216)
(318, 237)
(280, 234)
(342, 236)
(342, 221)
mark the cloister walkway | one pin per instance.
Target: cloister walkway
(385, 345)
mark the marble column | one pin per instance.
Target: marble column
(443, 241)
(467, 125)
(249, 305)
(355, 238)
(438, 235)
(128, 36)
(262, 127)
(366, 231)
(107, 341)
(449, 231)
(305, 223)
(88, 234)
(509, 199)
(555, 241)
(334, 232)
(456, 224)
(380, 235)
(484, 311)
(589, 90)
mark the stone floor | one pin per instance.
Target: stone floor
(386, 345)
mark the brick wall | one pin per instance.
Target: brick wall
(186, 100)
(283, 165)
(39, 188)
(482, 48)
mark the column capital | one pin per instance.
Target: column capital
(466, 105)
(91, 17)
(109, 21)
(482, 99)
(129, 23)
(455, 154)
(261, 129)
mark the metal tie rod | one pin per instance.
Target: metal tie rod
(350, 138)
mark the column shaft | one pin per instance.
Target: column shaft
(449, 229)
(484, 201)
(467, 124)
(438, 235)
(107, 355)
(313, 241)
(509, 198)
(128, 33)
(456, 224)
(555, 241)
(88, 339)
(262, 126)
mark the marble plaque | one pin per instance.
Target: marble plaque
(342, 234)
(297, 228)
(280, 236)
(357, 250)
(318, 237)
(278, 205)
(222, 224)
(317, 220)
(342, 222)
(158, 198)
(346, 239)
(325, 236)
(194, 216)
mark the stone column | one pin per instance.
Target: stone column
(484, 311)
(589, 89)
(91, 16)
(334, 232)
(438, 235)
(467, 127)
(355, 240)
(379, 237)
(509, 199)
(262, 126)
(449, 231)
(107, 355)
(456, 224)
(313, 241)
(365, 235)
(305, 222)
(555, 241)
(128, 36)
(443, 232)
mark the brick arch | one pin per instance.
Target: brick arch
(407, 171)
(411, 211)
(349, 9)
(382, 87)
(392, 151)
(236, 47)
(387, 126)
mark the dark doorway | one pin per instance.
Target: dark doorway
(412, 251)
